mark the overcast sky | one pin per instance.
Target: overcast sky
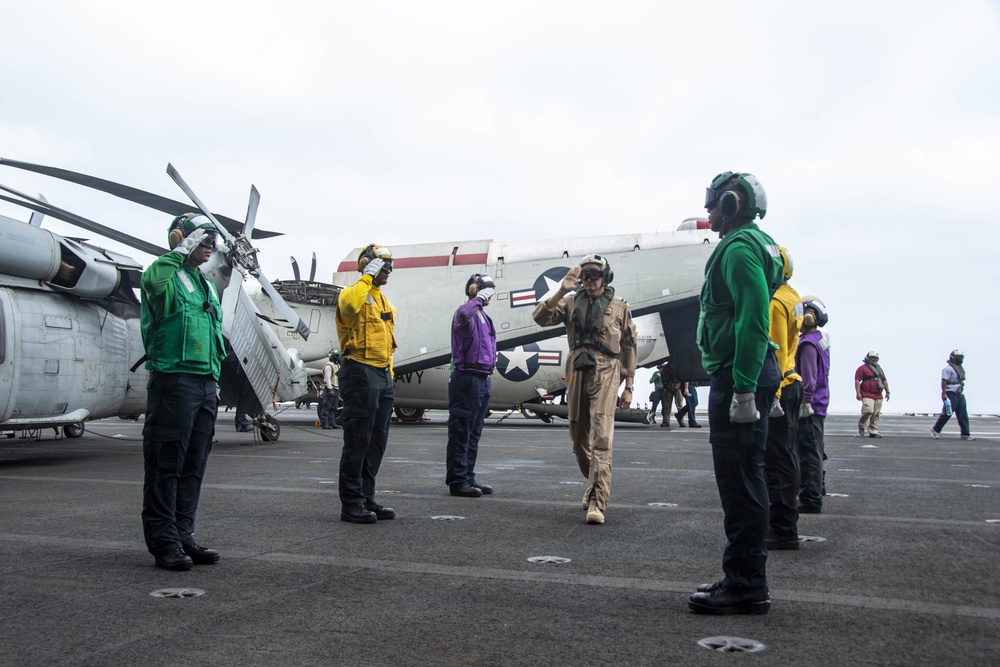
(873, 127)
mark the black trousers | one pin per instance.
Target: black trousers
(328, 407)
(738, 456)
(176, 440)
(468, 404)
(809, 446)
(781, 463)
(368, 395)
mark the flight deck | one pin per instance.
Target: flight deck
(901, 567)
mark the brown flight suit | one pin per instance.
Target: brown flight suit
(593, 394)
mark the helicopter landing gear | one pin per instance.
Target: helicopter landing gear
(270, 430)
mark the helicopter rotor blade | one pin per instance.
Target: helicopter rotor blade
(251, 212)
(312, 270)
(79, 221)
(247, 259)
(294, 321)
(147, 199)
(295, 269)
(175, 175)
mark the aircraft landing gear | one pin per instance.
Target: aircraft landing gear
(531, 414)
(270, 430)
(409, 414)
(73, 430)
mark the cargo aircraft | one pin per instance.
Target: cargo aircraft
(658, 274)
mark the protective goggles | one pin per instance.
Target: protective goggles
(592, 274)
(714, 191)
(208, 241)
(711, 198)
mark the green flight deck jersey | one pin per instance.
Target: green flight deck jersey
(734, 326)
(181, 319)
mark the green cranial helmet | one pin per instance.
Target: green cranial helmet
(183, 225)
(739, 194)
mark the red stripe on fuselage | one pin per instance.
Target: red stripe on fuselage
(423, 262)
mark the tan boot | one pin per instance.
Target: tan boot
(594, 515)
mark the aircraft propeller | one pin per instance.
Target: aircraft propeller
(312, 269)
(241, 254)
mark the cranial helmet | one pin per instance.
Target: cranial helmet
(786, 262)
(370, 253)
(183, 225)
(872, 355)
(477, 282)
(333, 354)
(601, 261)
(737, 194)
(815, 312)
(956, 357)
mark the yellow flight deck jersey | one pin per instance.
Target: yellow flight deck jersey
(786, 320)
(365, 323)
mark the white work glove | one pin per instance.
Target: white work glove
(776, 409)
(374, 266)
(743, 410)
(806, 410)
(485, 294)
(191, 241)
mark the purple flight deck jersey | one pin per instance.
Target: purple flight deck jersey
(473, 339)
(812, 361)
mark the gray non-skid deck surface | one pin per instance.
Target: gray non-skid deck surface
(908, 573)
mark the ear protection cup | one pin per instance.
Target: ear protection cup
(366, 256)
(730, 203)
(174, 238)
(609, 275)
(372, 251)
(815, 312)
(183, 225)
(477, 282)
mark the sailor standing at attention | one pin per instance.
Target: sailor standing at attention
(365, 324)
(741, 276)
(181, 322)
(474, 354)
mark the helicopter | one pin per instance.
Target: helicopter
(69, 316)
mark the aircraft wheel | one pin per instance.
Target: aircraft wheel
(270, 430)
(73, 430)
(531, 414)
(409, 413)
